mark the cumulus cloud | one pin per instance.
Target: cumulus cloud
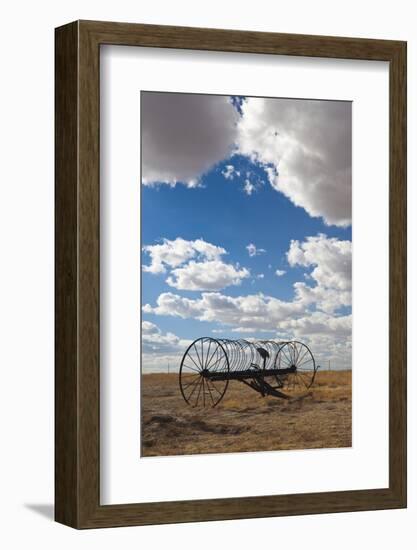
(155, 341)
(254, 251)
(331, 260)
(280, 272)
(230, 172)
(211, 275)
(251, 330)
(149, 328)
(173, 253)
(318, 324)
(253, 310)
(160, 349)
(248, 188)
(305, 148)
(313, 315)
(210, 272)
(184, 135)
(328, 336)
(256, 313)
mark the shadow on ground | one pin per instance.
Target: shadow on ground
(45, 510)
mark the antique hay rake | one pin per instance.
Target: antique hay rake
(280, 369)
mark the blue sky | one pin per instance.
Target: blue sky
(239, 200)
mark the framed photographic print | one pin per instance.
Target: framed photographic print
(230, 274)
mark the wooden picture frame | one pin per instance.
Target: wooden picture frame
(77, 382)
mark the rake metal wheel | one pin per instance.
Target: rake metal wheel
(204, 356)
(296, 355)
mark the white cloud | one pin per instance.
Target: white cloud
(155, 341)
(318, 324)
(175, 253)
(331, 262)
(254, 251)
(305, 147)
(280, 272)
(311, 316)
(230, 172)
(184, 135)
(260, 276)
(331, 259)
(160, 349)
(328, 336)
(248, 188)
(210, 275)
(173, 305)
(251, 183)
(250, 330)
(149, 329)
(324, 299)
(259, 313)
(255, 310)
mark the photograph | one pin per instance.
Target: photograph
(208, 256)
(246, 273)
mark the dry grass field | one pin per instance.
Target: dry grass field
(244, 420)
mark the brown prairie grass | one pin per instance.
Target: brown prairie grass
(244, 420)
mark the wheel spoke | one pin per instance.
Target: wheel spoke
(304, 354)
(306, 374)
(214, 386)
(190, 384)
(211, 357)
(195, 387)
(286, 363)
(199, 360)
(199, 391)
(304, 362)
(191, 357)
(208, 351)
(296, 353)
(192, 390)
(284, 358)
(293, 350)
(217, 361)
(303, 381)
(191, 368)
(282, 349)
(189, 375)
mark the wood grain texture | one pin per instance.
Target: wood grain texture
(78, 286)
(66, 236)
(398, 273)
